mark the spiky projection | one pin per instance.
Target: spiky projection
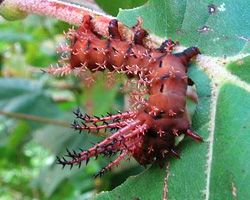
(148, 132)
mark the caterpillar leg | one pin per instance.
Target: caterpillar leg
(87, 29)
(139, 36)
(113, 30)
(167, 46)
(175, 153)
(193, 135)
(191, 94)
(188, 53)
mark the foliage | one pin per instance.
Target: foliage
(215, 169)
(29, 148)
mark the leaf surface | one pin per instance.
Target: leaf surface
(218, 168)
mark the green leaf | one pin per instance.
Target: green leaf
(99, 94)
(65, 138)
(60, 139)
(112, 7)
(223, 32)
(218, 168)
(230, 170)
(189, 149)
(9, 36)
(27, 97)
(15, 140)
(240, 68)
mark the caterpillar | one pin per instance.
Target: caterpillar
(148, 132)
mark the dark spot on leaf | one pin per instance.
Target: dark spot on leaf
(240, 62)
(179, 32)
(225, 37)
(204, 29)
(212, 8)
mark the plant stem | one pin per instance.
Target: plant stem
(91, 4)
(71, 13)
(43, 120)
(35, 118)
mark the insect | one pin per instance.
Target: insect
(148, 132)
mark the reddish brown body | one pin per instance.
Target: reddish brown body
(148, 133)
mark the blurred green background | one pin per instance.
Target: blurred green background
(36, 109)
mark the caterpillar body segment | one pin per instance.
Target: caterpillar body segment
(148, 132)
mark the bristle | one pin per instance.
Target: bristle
(151, 81)
(86, 118)
(116, 162)
(175, 153)
(193, 135)
(63, 49)
(57, 70)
